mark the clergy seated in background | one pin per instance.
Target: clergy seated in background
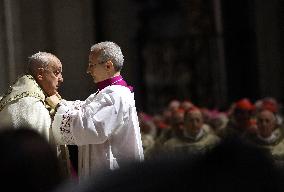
(148, 132)
(197, 136)
(107, 119)
(241, 120)
(270, 135)
(24, 102)
(272, 105)
(231, 166)
(218, 121)
(175, 127)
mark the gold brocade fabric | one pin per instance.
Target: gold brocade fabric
(64, 161)
(25, 86)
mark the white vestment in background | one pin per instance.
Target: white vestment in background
(108, 122)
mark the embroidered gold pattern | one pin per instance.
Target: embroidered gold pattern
(32, 90)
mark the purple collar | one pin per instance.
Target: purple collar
(117, 80)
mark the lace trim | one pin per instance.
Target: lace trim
(65, 127)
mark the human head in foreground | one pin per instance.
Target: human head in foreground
(28, 162)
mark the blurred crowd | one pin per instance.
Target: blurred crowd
(200, 134)
(184, 126)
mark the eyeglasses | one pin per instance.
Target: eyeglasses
(95, 64)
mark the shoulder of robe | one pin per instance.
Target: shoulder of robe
(31, 100)
(119, 92)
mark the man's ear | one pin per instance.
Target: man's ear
(39, 74)
(109, 65)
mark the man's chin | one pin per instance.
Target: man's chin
(54, 92)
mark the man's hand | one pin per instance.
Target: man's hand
(53, 100)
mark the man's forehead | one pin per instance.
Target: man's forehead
(93, 55)
(265, 113)
(55, 64)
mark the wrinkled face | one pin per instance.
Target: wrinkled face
(266, 123)
(193, 122)
(96, 69)
(51, 77)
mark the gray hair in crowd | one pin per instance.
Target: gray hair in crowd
(40, 60)
(109, 51)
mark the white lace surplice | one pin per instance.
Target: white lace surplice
(108, 121)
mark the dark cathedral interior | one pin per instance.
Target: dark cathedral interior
(208, 53)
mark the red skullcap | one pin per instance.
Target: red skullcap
(162, 125)
(245, 104)
(269, 105)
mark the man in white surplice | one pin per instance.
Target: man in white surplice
(107, 119)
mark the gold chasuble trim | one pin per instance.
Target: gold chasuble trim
(25, 86)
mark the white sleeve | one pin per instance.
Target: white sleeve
(90, 123)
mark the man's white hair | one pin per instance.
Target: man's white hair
(40, 59)
(109, 51)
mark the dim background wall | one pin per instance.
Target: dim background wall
(65, 28)
(210, 52)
